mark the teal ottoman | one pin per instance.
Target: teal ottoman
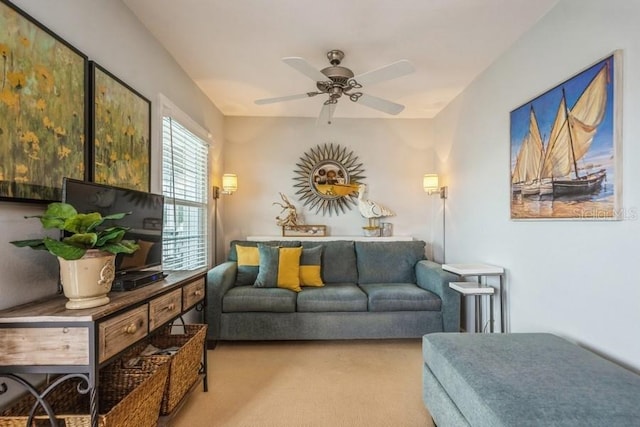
(524, 380)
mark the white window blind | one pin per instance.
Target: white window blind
(184, 185)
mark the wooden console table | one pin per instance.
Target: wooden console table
(45, 337)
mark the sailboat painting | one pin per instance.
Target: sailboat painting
(565, 156)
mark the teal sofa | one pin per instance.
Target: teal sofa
(372, 290)
(524, 379)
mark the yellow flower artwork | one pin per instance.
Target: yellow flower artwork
(42, 89)
(122, 131)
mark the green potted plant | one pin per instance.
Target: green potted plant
(86, 254)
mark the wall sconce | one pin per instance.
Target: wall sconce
(229, 183)
(431, 185)
(229, 186)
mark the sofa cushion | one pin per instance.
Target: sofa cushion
(279, 267)
(388, 262)
(338, 261)
(248, 299)
(531, 379)
(343, 297)
(400, 297)
(248, 267)
(310, 265)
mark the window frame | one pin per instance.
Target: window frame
(185, 205)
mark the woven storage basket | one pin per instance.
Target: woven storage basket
(184, 365)
(127, 398)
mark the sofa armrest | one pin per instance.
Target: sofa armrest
(431, 277)
(220, 279)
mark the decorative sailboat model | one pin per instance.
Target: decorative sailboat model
(555, 171)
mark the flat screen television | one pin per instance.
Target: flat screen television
(144, 222)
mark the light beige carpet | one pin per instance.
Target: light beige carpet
(311, 384)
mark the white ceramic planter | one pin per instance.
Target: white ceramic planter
(87, 281)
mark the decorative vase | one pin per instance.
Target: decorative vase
(371, 231)
(386, 229)
(87, 281)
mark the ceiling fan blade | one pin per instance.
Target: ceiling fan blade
(326, 114)
(305, 68)
(285, 98)
(388, 72)
(380, 104)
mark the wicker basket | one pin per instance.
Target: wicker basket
(127, 398)
(184, 364)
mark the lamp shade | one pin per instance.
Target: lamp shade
(229, 183)
(430, 183)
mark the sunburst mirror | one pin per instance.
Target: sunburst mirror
(328, 176)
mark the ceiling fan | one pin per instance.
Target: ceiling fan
(337, 80)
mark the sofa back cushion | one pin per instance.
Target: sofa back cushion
(388, 262)
(338, 261)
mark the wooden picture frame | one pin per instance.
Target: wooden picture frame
(566, 161)
(304, 230)
(120, 132)
(43, 109)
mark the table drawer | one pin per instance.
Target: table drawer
(192, 293)
(120, 332)
(44, 346)
(164, 308)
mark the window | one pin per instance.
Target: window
(184, 185)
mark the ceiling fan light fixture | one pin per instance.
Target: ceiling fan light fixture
(337, 80)
(337, 74)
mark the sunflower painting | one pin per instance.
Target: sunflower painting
(43, 82)
(121, 132)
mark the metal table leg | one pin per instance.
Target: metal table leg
(491, 313)
(478, 313)
(503, 326)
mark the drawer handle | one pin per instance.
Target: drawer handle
(170, 307)
(130, 329)
(197, 293)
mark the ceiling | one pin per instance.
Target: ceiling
(232, 49)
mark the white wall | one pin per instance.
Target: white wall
(264, 152)
(107, 32)
(572, 278)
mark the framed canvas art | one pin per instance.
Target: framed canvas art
(565, 154)
(121, 132)
(43, 111)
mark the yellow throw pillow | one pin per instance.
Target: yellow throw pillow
(248, 255)
(310, 266)
(248, 264)
(279, 267)
(289, 268)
